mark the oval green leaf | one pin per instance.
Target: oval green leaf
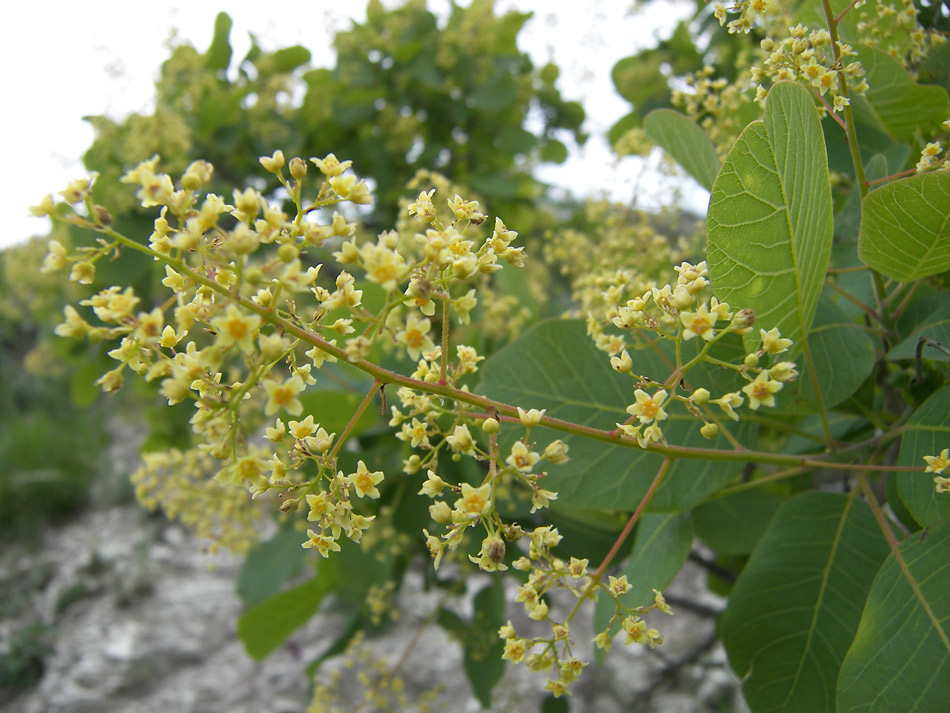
(795, 608)
(267, 626)
(770, 216)
(686, 142)
(900, 658)
(894, 102)
(905, 227)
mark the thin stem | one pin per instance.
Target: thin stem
(354, 418)
(443, 367)
(621, 538)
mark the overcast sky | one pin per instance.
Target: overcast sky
(69, 60)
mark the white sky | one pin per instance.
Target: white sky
(68, 60)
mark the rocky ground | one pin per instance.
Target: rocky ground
(118, 611)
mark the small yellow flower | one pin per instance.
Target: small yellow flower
(618, 585)
(474, 502)
(938, 464)
(521, 458)
(648, 408)
(698, 324)
(772, 341)
(234, 327)
(321, 543)
(364, 481)
(433, 485)
(762, 390)
(531, 417)
(728, 403)
(284, 396)
(416, 336)
(331, 165)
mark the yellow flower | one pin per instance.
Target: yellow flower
(474, 502)
(331, 165)
(416, 336)
(762, 390)
(648, 408)
(284, 396)
(521, 458)
(531, 417)
(321, 543)
(618, 585)
(364, 481)
(772, 341)
(728, 403)
(234, 327)
(698, 324)
(302, 429)
(938, 464)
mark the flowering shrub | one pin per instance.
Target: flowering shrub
(799, 369)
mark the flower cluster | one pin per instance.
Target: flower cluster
(808, 56)
(476, 505)
(678, 313)
(252, 319)
(555, 653)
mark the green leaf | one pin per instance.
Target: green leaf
(843, 357)
(926, 433)
(289, 58)
(795, 608)
(734, 524)
(900, 658)
(218, 55)
(555, 366)
(905, 227)
(267, 626)
(554, 151)
(927, 318)
(770, 216)
(270, 564)
(894, 102)
(688, 144)
(660, 548)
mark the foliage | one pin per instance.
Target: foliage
(771, 399)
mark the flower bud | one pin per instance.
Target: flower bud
(710, 430)
(490, 425)
(700, 397)
(298, 168)
(103, 216)
(287, 253)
